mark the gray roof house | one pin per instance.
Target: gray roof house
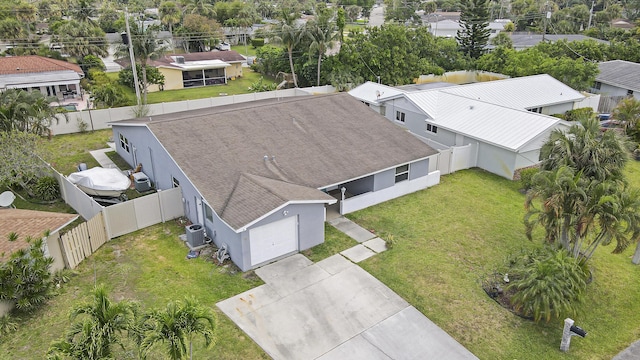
(260, 175)
(618, 78)
(498, 125)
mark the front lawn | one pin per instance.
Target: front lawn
(65, 152)
(449, 237)
(149, 266)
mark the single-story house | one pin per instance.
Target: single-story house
(523, 41)
(28, 223)
(501, 124)
(618, 78)
(195, 69)
(51, 77)
(449, 28)
(258, 176)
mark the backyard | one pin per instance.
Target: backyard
(446, 240)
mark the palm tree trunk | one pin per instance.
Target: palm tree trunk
(293, 72)
(565, 233)
(636, 255)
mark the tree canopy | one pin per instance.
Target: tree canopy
(474, 34)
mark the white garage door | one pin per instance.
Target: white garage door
(274, 239)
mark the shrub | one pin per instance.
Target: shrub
(7, 325)
(526, 177)
(47, 188)
(256, 43)
(579, 114)
(548, 284)
(25, 279)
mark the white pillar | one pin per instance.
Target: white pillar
(566, 335)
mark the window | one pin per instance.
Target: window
(124, 143)
(400, 116)
(208, 212)
(432, 128)
(536, 110)
(597, 85)
(175, 182)
(402, 173)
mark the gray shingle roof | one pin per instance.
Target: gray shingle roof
(620, 73)
(309, 143)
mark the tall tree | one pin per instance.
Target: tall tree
(170, 14)
(199, 33)
(474, 19)
(201, 7)
(177, 325)
(322, 36)
(146, 46)
(27, 111)
(101, 326)
(580, 197)
(288, 33)
(81, 38)
(20, 158)
(83, 11)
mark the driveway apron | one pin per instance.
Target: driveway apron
(334, 309)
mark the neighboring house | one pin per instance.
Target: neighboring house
(525, 41)
(28, 223)
(618, 78)
(500, 124)
(236, 35)
(196, 69)
(36, 73)
(260, 175)
(449, 28)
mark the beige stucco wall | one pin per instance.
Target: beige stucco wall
(235, 70)
(172, 80)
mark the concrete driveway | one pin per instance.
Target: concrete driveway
(334, 310)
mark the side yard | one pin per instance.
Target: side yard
(449, 237)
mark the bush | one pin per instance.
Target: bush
(548, 284)
(526, 177)
(579, 114)
(47, 188)
(25, 279)
(256, 43)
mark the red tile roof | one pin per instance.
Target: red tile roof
(27, 223)
(34, 64)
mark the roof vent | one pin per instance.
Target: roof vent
(180, 59)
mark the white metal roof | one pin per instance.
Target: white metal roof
(201, 65)
(39, 79)
(373, 92)
(520, 93)
(501, 126)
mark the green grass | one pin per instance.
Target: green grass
(449, 237)
(335, 241)
(65, 152)
(148, 266)
(233, 87)
(118, 160)
(248, 51)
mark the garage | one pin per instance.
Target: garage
(273, 240)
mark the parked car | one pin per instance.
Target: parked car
(612, 124)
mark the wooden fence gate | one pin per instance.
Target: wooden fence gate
(83, 240)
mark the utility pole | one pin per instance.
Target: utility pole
(132, 57)
(591, 14)
(546, 19)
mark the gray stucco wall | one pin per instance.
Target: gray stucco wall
(616, 91)
(413, 117)
(418, 169)
(360, 186)
(496, 160)
(384, 179)
(310, 229)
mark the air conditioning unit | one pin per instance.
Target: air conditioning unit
(195, 235)
(180, 59)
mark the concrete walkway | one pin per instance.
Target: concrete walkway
(102, 158)
(630, 353)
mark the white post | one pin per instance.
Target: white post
(566, 335)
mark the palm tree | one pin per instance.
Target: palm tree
(322, 36)
(628, 111)
(81, 38)
(289, 34)
(145, 47)
(585, 148)
(176, 326)
(201, 7)
(27, 112)
(26, 13)
(102, 326)
(83, 11)
(583, 197)
(170, 14)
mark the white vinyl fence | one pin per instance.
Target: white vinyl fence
(100, 119)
